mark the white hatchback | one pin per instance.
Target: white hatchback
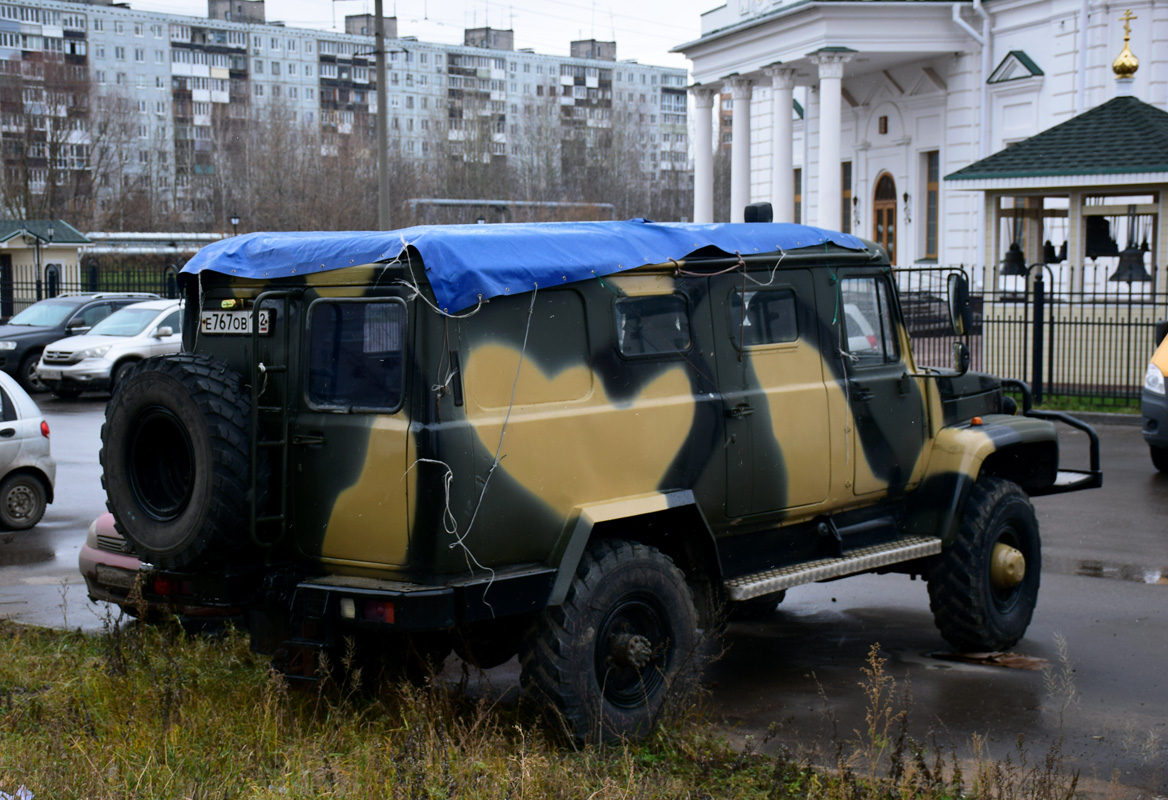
(97, 360)
(27, 468)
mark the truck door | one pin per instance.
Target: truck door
(770, 373)
(887, 406)
(350, 437)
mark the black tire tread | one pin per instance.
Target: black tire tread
(961, 610)
(545, 654)
(226, 407)
(1159, 457)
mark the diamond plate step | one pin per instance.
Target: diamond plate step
(861, 560)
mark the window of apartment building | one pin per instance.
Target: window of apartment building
(259, 90)
(309, 94)
(409, 101)
(258, 66)
(99, 75)
(156, 31)
(159, 82)
(275, 44)
(98, 25)
(160, 106)
(100, 50)
(257, 42)
(290, 46)
(276, 90)
(119, 27)
(120, 53)
(291, 68)
(143, 132)
(393, 78)
(275, 65)
(846, 197)
(140, 81)
(139, 29)
(409, 79)
(932, 201)
(120, 79)
(798, 196)
(159, 57)
(308, 70)
(308, 49)
(140, 55)
(292, 92)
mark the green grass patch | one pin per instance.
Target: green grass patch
(147, 712)
(1104, 405)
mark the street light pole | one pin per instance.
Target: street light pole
(382, 120)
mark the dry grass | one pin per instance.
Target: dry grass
(147, 712)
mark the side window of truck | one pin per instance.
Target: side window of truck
(649, 326)
(763, 317)
(356, 355)
(869, 335)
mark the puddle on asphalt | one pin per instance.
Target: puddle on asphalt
(20, 549)
(1123, 572)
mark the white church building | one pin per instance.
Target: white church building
(850, 115)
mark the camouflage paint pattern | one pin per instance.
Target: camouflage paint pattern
(760, 439)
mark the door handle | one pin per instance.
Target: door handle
(739, 411)
(8, 433)
(308, 438)
(859, 392)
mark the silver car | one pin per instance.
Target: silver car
(97, 360)
(27, 468)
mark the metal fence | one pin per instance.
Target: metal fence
(15, 296)
(1067, 330)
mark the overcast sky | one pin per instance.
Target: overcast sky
(644, 30)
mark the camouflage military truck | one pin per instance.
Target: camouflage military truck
(582, 443)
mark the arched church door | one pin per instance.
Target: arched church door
(884, 215)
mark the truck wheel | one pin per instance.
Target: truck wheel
(985, 584)
(175, 459)
(624, 638)
(22, 502)
(1159, 457)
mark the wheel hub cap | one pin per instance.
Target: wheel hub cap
(631, 650)
(1008, 566)
(20, 502)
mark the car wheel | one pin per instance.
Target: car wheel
(66, 392)
(1159, 457)
(27, 374)
(175, 459)
(623, 640)
(984, 586)
(22, 502)
(119, 373)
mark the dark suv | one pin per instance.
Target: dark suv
(27, 333)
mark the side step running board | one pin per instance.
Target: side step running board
(861, 560)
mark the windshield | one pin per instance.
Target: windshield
(129, 321)
(46, 313)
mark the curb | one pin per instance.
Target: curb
(1103, 418)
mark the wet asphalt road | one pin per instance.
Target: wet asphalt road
(1104, 593)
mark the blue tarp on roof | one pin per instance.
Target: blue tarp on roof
(466, 262)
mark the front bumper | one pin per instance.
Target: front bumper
(93, 374)
(1154, 409)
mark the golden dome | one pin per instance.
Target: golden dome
(1126, 64)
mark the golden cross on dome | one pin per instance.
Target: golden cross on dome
(1127, 18)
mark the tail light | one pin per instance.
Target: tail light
(45, 428)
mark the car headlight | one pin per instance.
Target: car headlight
(7, 344)
(1154, 380)
(93, 352)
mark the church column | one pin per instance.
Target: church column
(831, 75)
(704, 98)
(740, 89)
(782, 130)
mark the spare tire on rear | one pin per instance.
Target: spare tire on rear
(176, 460)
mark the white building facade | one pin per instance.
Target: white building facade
(894, 97)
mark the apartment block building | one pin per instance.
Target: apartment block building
(170, 84)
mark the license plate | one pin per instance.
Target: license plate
(49, 374)
(115, 577)
(235, 322)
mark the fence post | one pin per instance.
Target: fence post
(1037, 339)
(39, 289)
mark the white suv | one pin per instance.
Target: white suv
(97, 360)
